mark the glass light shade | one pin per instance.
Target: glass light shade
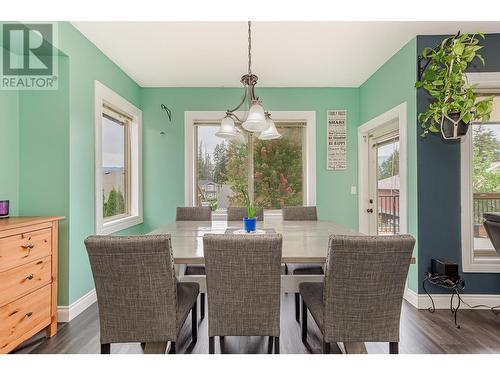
(227, 129)
(240, 138)
(256, 119)
(271, 132)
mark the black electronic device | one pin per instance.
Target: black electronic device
(445, 268)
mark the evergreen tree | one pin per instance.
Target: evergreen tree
(220, 164)
(111, 204)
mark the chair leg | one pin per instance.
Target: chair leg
(393, 348)
(326, 348)
(277, 345)
(143, 345)
(270, 345)
(211, 345)
(297, 307)
(194, 322)
(105, 348)
(304, 322)
(286, 269)
(202, 305)
(172, 347)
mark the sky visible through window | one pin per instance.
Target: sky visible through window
(113, 144)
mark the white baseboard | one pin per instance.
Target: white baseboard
(411, 296)
(68, 313)
(442, 301)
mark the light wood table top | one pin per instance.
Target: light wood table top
(303, 241)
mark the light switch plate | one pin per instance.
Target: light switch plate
(353, 190)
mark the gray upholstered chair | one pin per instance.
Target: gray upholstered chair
(243, 286)
(238, 213)
(361, 296)
(138, 296)
(301, 213)
(195, 214)
(492, 226)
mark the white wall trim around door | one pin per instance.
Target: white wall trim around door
(442, 301)
(398, 113)
(67, 313)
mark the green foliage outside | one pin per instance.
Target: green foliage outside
(390, 166)
(485, 152)
(277, 170)
(115, 205)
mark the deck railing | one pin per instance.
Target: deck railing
(388, 214)
(485, 202)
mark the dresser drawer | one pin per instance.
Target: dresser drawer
(24, 248)
(24, 317)
(24, 279)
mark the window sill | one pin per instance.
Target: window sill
(119, 224)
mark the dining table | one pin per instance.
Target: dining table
(304, 242)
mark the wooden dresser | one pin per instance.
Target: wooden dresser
(28, 279)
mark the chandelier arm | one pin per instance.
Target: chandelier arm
(235, 117)
(245, 93)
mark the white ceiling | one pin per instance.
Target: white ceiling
(284, 54)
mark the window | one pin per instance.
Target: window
(480, 191)
(283, 168)
(118, 173)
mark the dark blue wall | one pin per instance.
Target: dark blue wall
(438, 171)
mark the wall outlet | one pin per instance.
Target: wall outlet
(353, 190)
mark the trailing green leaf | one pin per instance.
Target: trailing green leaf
(444, 79)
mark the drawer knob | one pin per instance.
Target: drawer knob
(30, 246)
(29, 277)
(29, 314)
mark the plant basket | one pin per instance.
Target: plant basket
(452, 127)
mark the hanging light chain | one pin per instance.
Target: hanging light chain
(249, 47)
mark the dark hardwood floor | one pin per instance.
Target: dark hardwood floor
(421, 332)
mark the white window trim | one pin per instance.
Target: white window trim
(191, 117)
(105, 94)
(470, 263)
(398, 113)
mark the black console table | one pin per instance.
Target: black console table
(456, 286)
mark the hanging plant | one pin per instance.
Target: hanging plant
(455, 105)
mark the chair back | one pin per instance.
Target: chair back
(492, 226)
(300, 213)
(243, 284)
(136, 287)
(193, 214)
(238, 213)
(364, 284)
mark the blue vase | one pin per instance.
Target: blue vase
(250, 224)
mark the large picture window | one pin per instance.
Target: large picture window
(118, 162)
(480, 191)
(222, 168)
(283, 168)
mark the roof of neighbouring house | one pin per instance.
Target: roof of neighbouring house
(389, 183)
(205, 182)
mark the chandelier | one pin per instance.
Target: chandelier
(257, 120)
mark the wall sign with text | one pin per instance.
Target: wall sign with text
(336, 148)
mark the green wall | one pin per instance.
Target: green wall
(44, 161)
(388, 87)
(9, 148)
(87, 64)
(163, 156)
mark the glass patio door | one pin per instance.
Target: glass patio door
(383, 209)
